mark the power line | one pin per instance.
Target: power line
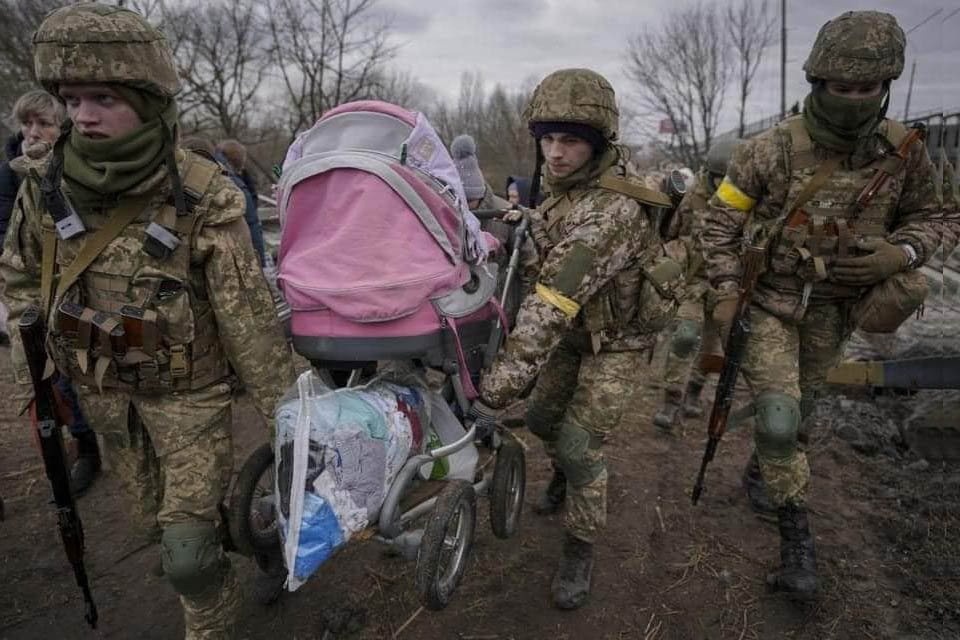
(927, 19)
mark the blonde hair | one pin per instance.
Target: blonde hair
(36, 103)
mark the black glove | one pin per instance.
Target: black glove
(484, 419)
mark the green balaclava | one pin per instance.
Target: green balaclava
(99, 171)
(840, 123)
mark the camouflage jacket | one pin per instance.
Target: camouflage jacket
(600, 235)
(224, 276)
(764, 178)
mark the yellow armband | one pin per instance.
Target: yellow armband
(731, 195)
(554, 298)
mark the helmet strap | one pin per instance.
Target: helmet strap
(535, 180)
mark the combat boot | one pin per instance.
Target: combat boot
(669, 413)
(571, 585)
(756, 488)
(269, 579)
(87, 465)
(691, 400)
(554, 496)
(797, 575)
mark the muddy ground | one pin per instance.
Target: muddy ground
(886, 524)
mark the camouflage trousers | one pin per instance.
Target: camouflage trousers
(585, 392)
(792, 358)
(172, 479)
(678, 369)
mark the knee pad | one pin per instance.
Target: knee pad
(192, 558)
(542, 422)
(778, 422)
(574, 446)
(685, 339)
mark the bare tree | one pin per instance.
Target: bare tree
(680, 71)
(20, 21)
(326, 52)
(222, 54)
(401, 88)
(751, 25)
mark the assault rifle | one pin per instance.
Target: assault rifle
(729, 364)
(33, 335)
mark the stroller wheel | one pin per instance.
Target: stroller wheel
(446, 543)
(252, 515)
(507, 489)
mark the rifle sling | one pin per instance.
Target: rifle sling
(820, 177)
(93, 245)
(635, 191)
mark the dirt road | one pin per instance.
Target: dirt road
(887, 533)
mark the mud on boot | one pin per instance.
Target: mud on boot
(797, 575)
(669, 414)
(553, 497)
(756, 488)
(571, 584)
(691, 400)
(87, 465)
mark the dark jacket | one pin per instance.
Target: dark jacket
(9, 184)
(245, 183)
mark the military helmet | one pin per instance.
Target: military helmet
(93, 43)
(858, 46)
(718, 157)
(578, 96)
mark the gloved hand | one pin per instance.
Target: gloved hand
(484, 419)
(513, 215)
(882, 261)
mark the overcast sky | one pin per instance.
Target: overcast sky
(512, 41)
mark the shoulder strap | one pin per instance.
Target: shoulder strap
(801, 145)
(820, 177)
(48, 263)
(93, 245)
(635, 191)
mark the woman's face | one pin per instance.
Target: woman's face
(40, 127)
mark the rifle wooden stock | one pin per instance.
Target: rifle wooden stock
(33, 335)
(753, 264)
(880, 177)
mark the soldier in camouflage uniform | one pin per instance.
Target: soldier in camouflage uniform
(119, 223)
(579, 328)
(822, 261)
(694, 334)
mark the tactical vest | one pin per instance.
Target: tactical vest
(635, 300)
(135, 320)
(801, 255)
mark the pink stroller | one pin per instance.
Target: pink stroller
(380, 260)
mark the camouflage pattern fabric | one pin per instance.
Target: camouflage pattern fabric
(576, 95)
(696, 306)
(759, 186)
(590, 392)
(612, 228)
(183, 484)
(91, 42)
(858, 46)
(792, 359)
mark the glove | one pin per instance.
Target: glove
(513, 215)
(882, 261)
(484, 419)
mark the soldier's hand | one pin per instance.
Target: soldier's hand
(484, 419)
(723, 313)
(513, 215)
(882, 261)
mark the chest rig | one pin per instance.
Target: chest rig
(822, 218)
(637, 299)
(126, 307)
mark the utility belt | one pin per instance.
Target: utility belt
(127, 351)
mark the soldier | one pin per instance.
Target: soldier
(794, 188)
(694, 334)
(147, 244)
(581, 326)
